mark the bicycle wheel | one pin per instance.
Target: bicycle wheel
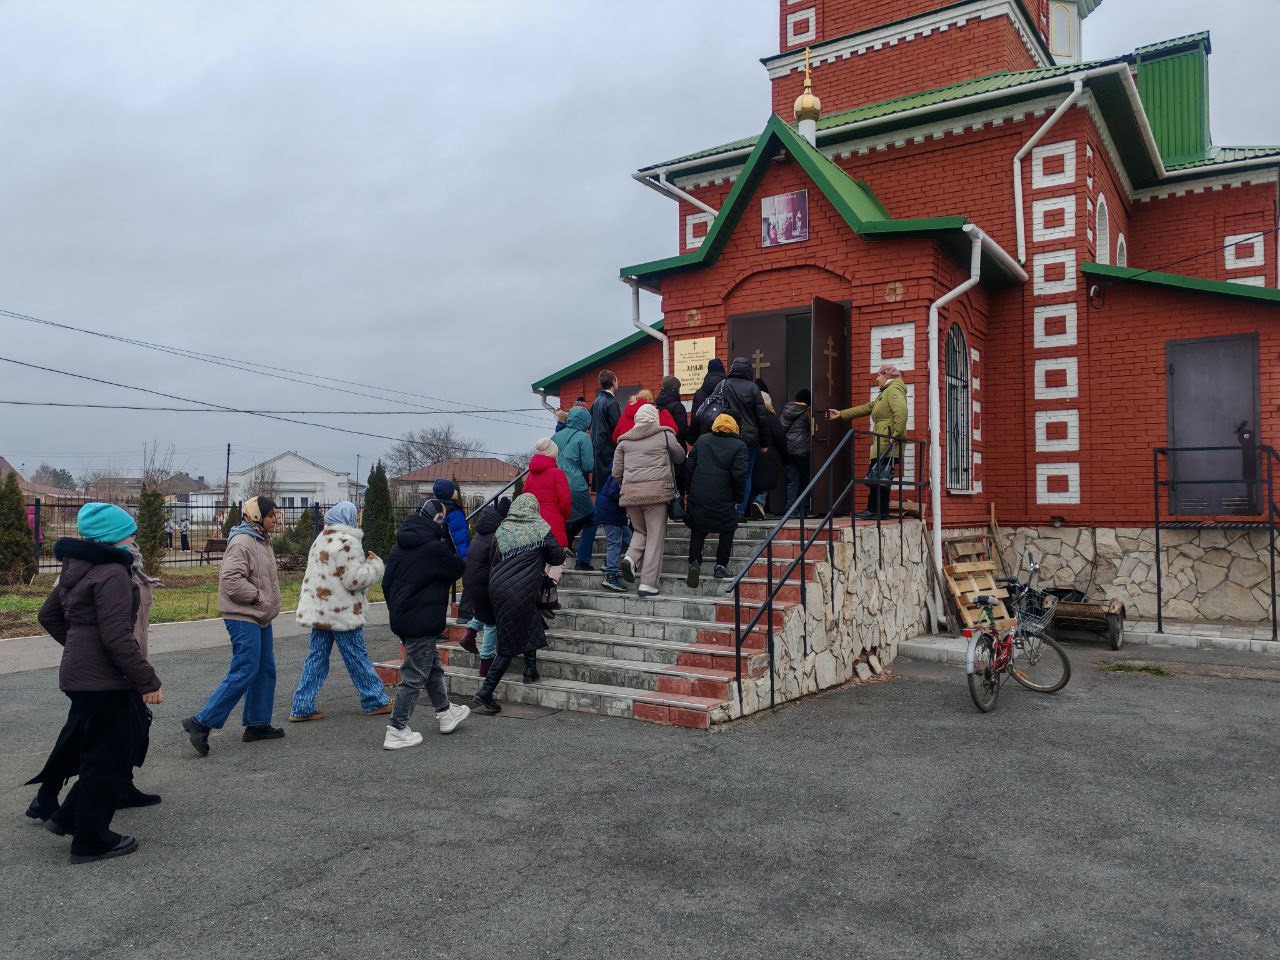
(1040, 664)
(984, 682)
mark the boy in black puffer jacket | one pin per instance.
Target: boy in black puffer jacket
(420, 570)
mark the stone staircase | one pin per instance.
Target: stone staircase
(668, 659)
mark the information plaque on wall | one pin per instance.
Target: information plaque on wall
(690, 362)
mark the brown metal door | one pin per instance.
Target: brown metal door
(829, 349)
(762, 339)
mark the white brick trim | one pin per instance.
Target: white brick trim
(1065, 149)
(690, 222)
(809, 34)
(1069, 470)
(1039, 214)
(1231, 247)
(1049, 288)
(1068, 338)
(1069, 391)
(1044, 418)
(907, 333)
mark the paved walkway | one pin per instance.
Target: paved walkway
(1129, 816)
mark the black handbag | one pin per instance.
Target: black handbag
(549, 595)
(675, 509)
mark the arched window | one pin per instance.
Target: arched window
(1122, 252)
(959, 413)
(1102, 234)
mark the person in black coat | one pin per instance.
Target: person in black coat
(475, 584)
(421, 570)
(713, 379)
(745, 403)
(605, 414)
(523, 548)
(669, 400)
(768, 481)
(717, 471)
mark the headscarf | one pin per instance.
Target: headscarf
(647, 414)
(725, 424)
(137, 571)
(343, 514)
(523, 527)
(251, 513)
(547, 448)
(890, 370)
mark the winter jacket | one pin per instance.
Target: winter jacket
(628, 419)
(888, 412)
(91, 612)
(770, 464)
(548, 483)
(604, 417)
(456, 520)
(249, 582)
(712, 380)
(645, 465)
(669, 402)
(422, 568)
(515, 582)
(797, 421)
(609, 513)
(744, 402)
(717, 473)
(475, 578)
(142, 619)
(336, 586)
(576, 460)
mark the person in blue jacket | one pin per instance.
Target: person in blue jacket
(617, 532)
(456, 519)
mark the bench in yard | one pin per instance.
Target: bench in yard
(212, 547)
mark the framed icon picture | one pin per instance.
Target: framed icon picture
(784, 218)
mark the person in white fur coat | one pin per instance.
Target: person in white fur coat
(333, 602)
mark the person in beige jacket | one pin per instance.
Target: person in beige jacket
(248, 600)
(645, 466)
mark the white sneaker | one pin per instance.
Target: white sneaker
(399, 739)
(648, 591)
(451, 718)
(627, 569)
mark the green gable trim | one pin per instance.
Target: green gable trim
(853, 200)
(1179, 282)
(599, 357)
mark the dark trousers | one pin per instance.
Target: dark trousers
(883, 476)
(186, 542)
(724, 548)
(109, 730)
(499, 667)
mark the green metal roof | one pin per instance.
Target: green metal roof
(1177, 281)
(1168, 46)
(1219, 155)
(600, 356)
(1173, 81)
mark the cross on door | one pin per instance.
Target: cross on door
(760, 363)
(830, 354)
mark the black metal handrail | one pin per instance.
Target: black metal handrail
(827, 524)
(497, 496)
(1272, 512)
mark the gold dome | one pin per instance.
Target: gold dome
(808, 106)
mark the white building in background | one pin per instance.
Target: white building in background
(297, 481)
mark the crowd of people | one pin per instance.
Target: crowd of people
(648, 464)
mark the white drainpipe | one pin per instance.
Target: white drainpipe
(1019, 214)
(542, 399)
(658, 335)
(669, 189)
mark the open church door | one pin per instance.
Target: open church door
(830, 366)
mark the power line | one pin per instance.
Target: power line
(226, 409)
(1248, 238)
(247, 366)
(326, 413)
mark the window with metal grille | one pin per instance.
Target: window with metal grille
(959, 413)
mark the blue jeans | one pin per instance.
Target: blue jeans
(488, 638)
(618, 538)
(252, 675)
(752, 453)
(587, 541)
(315, 670)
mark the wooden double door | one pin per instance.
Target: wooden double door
(803, 349)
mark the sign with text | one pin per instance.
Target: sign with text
(690, 365)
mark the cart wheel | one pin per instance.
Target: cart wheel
(1115, 630)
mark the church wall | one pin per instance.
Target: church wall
(978, 48)
(1198, 225)
(808, 22)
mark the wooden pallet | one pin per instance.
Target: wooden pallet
(969, 572)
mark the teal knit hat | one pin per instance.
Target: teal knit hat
(105, 523)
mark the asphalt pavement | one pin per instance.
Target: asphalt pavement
(1128, 816)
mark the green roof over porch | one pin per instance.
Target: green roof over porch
(1177, 281)
(600, 356)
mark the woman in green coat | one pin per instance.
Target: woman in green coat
(577, 460)
(888, 413)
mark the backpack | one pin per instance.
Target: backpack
(712, 407)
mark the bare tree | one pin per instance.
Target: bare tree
(263, 482)
(157, 467)
(420, 448)
(519, 460)
(104, 483)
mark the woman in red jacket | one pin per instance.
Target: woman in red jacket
(628, 419)
(550, 486)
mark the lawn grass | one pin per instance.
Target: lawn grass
(1135, 666)
(187, 593)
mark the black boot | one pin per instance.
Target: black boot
(531, 668)
(198, 734)
(114, 845)
(131, 796)
(44, 806)
(265, 732)
(484, 696)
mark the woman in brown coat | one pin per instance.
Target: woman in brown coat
(92, 613)
(645, 466)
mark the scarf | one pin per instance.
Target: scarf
(137, 570)
(248, 528)
(523, 527)
(343, 514)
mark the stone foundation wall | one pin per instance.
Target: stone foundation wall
(876, 606)
(1208, 574)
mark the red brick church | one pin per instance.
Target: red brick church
(1066, 268)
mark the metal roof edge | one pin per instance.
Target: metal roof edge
(1182, 282)
(605, 353)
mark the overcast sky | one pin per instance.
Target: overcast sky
(433, 196)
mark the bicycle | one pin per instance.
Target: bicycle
(1023, 651)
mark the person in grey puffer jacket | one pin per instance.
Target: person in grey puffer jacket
(797, 421)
